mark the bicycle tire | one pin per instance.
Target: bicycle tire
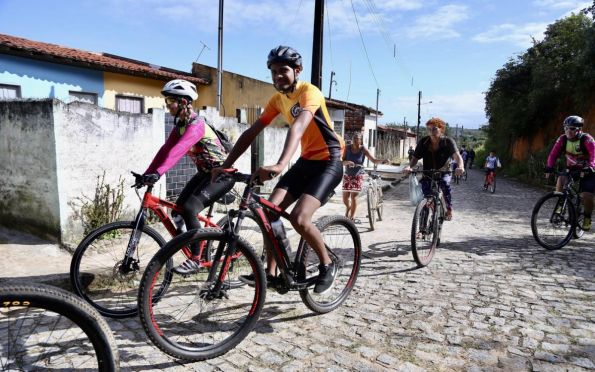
(251, 230)
(48, 311)
(424, 232)
(371, 199)
(379, 203)
(187, 338)
(344, 244)
(578, 230)
(94, 268)
(562, 224)
(464, 176)
(492, 186)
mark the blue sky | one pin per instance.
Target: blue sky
(449, 50)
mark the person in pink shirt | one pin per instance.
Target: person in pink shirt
(579, 149)
(193, 137)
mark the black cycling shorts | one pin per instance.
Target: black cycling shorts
(587, 183)
(317, 178)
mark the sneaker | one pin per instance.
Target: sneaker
(586, 224)
(190, 266)
(326, 277)
(272, 280)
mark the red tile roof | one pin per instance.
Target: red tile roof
(100, 61)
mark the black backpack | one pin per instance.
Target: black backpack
(223, 138)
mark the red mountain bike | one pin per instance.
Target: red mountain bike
(490, 182)
(108, 263)
(206, 314)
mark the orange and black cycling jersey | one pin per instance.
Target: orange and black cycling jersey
(319, 141)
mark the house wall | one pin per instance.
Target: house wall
(120, 84)
(39, 79)
(237, 91)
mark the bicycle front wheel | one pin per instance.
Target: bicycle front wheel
(553, 221)
(205, 314)
(46, 328)
(343, 244)
(492, 186)
(424, 232)
(250, 230)
(371, 207)
(97, 273)
(379, 203)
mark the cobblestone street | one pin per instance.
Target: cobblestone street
(491, 299)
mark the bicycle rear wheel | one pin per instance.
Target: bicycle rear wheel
(371, 193)
(46, 328)
(193, 320)
(379, 203)
(464, 176)
(343, 244)
(553, 221)
(424, 232)
(96, 271)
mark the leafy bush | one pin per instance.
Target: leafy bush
(104, 207)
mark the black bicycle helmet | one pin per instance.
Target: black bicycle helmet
(573, 121)
(284, 54)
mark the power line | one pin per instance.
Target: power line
(330, 43)
(364, 45)
(382, 29)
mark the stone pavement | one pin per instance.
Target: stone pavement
(491, 299)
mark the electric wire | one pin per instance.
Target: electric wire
(364, 45)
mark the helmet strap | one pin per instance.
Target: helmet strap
(293, 85)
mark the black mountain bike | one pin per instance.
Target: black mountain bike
(427, 221)
(558, 216)
(206, 314)
(44, 328)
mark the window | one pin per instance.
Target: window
(338, 127)
(83, 97)
(134, 105)
(10, 91)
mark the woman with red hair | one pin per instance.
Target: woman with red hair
(435, 150)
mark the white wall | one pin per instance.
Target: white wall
(91, 141)
(28, 184)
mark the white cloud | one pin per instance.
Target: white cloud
(561, 4)
(440, 24)
(400, 4)
(520, 35)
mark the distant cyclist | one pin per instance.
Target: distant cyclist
(470, 158)
(191, 136)
(353, 177)
(436, 149)
(491, 163)
(579, 149)
(310, 182)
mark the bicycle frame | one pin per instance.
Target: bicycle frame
(570, 193)
(159, 207)
(264, 211)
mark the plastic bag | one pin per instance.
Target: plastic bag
(498, 164)
(415, 192)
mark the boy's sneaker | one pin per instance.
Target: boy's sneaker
(326, 277)
(190, 266)
(586, 224)
(272, 280)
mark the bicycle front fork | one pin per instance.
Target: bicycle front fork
(129, 263)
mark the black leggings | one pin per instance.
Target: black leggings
(198, 194)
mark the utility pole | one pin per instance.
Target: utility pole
(330, 88)
(316, 78)
(220, 56)
(418, 116)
